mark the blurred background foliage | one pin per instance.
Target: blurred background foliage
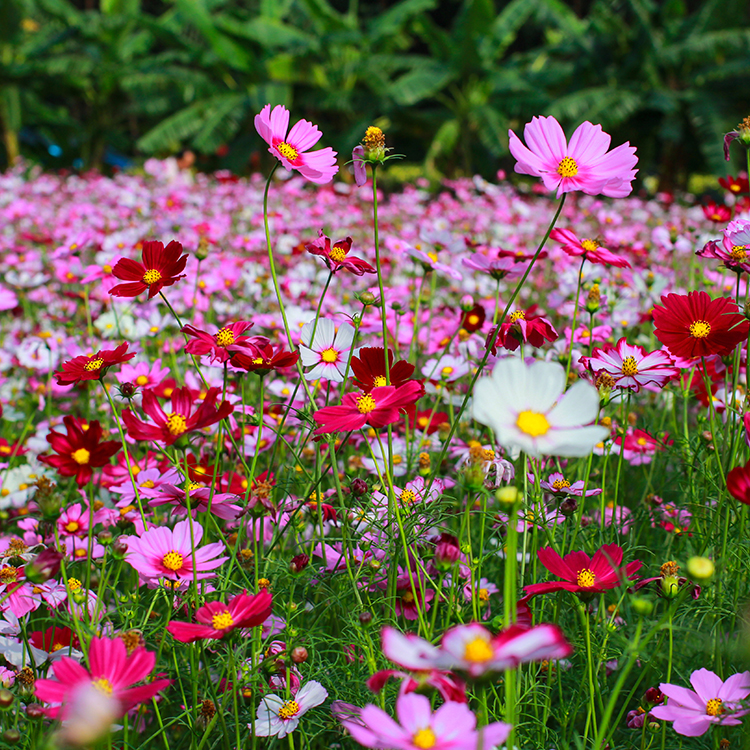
(106, 83)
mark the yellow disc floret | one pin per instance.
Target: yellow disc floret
(81, 456)
(224, 337)
(366, 404)
(329, 355)
(222, 621)
(586, 578)
(93, 364)
(176, 423)
(289, 709)
(151, 276)
(714, 707)
(287, 151)
(172, 560)
(629, 367)
(699, 329)
(424, 739)
(478, 650)
(567, 167)
(532, 423)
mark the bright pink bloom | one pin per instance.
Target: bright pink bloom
(450, 687)
(631, 367)
(337, 256)
(110, 671)
(738, 483)
(162, 552)
(712, 701)
(181, 419)
(584, 164)
(215, 619)
(451, 727)
(591, 249)
(378, 408)
(228, 340)
(292, 149)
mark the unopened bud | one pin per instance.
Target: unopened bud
(35, 711)
(367, 298)
(202, 252)
(653, 727)
(508, 495)
(120, 546)
(700, 568)
(127, 390)
(569, 506)
(654, 695)
(12, 736)
(593, 299)
(365, 618)
(358, 487)
(6, 698)
(298, 563)
(299, 655)
(642, 606)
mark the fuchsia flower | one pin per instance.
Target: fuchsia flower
(631, 367)
(316, 166)
(591, 249)
(712, 701)
(337, 256)
(162, 552)
(215, 620)
(95, 367)
(734, 247)
(584, 164)
(451, 727)
(738, 483)
(556, 484)
(111, 671)
(160, 267)
(227, 341)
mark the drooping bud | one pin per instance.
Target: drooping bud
(298, 563)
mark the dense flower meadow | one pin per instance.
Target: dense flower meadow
(290, 461)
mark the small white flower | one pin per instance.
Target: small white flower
(278, 717)
(528, 409)
(327, 352)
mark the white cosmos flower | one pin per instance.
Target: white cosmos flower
(327, 352)
(278, 717)
(528, 409)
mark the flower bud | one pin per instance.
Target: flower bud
(127, 390)
(120, 546)
(467, 303)
(508, 495)
(47, 497)
(365, 618)
(367, 298)
(569, 506)
(374, 145)
(700, 568)
(202, 252)
(299, 655)
(6, 698)
(12, 736)
(35, 711)
(45, 566)
(358, 487)
(298, 563)
(670, 586)
(654, 695)
(641, 605)
(593, 299)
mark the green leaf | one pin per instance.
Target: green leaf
(120, 7)
(391, 21)
(504, 30)
(267, 32)
(426, 79)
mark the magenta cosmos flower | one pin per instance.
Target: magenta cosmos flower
(292, 149)
(593, 250)
(710, 702)
(226, 342)
(163, 553)
(111, 671)
(584, 164)
(451, 727)
(215, 619)
(631, 367)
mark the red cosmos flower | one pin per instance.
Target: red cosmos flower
(694, 325)
(11, 449)
(379, 407)
(79, 450)
(170, 427)
(111, 670)
(533, 330)
(429, 421)
(53, 639)
(719, 213)
(215, 619)
(582, 574)
(224, 343)
(337, 257)
(264, 359)
(473, 320)
(738, 483)
(735, 185)
(161, 267)
(94, 367)
(591, 249)
(369, 369)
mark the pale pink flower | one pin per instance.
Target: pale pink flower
(278, 717)
(584, 164)
(325, 349)
(631, 367)
(292, 149)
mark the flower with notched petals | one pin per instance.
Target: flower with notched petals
(160, 267)
(95, 367)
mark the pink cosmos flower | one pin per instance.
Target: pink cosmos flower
(292, 149)
(584, 164)
(167, 553)
(591, 249)
(110, 671)
(451, 727)
(227, 341)
(336, 255)
(556, 484)
(498, 268)
(631, 367)
(215, 619)
(710, 702)
(733, 248)
(278, 717)
(325, 349)
(200, 497)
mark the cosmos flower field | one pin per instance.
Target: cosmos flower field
(291, 460)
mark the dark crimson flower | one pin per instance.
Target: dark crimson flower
(429, 421)
(717, 212)
(215, 619)
(518, 328)
(94, 367)
(738, 483)
(381, 406)
(79, 450)
(337, 256)
(180, 420)
(11, 449)
(161, 267)
(53, 639)
(369, 369)
(224, 343)
(264, 359)
(474, 319)
(735, 185)
(582, 574)
(694, 325)
(46, 565)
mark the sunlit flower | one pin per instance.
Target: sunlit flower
(160, 267)
(292, 150)
(95, 367)
(223, 344)
(630, 366)
(337, 256)
(583, 164)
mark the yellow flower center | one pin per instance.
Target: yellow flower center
(338, 253)
(567, 167)
(72, 526)
(81, 456)
(141, 380)
(172, 560)
(407, 497)
(74, 584)
(478, 650)
(714, 707)
(151, 276)
(374, 137)
(629, 367)
(560, 484)
(488, 454)
(224, 337)
(446, 371)
(424, 739)
(517, 315)
(8, 574)
(532, 423)
(176, 423)
(366, 404)
(93, 364)
(589, 245)
(484, 595)
(738, 253)
(103, 685)
(124, 511)
(699, 329)
(288, 152)
(379, 381)
(329, 355)
(586, 578)
(289, 709)
(222, 621)
(148, 484)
